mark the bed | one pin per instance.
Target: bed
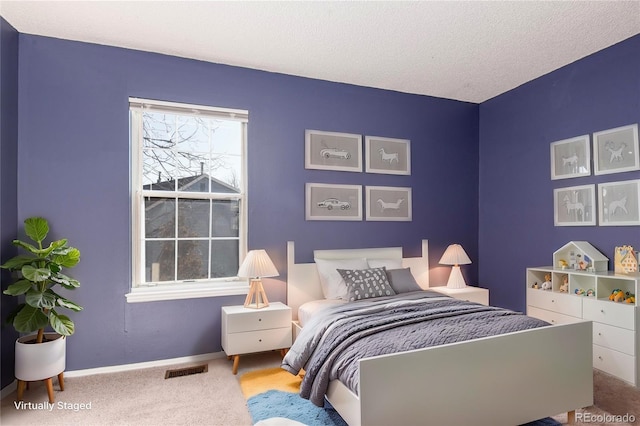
(496, 380)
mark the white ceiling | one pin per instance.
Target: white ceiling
(464, 50)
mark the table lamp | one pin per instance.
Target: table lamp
(455, 255)
(256, 265)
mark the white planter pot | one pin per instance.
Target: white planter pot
(40, 361)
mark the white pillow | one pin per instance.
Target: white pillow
(333, 286)
(387, 263)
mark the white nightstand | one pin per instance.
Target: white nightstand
(468, 293)
(246, 330)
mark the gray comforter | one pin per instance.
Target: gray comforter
(330, 345)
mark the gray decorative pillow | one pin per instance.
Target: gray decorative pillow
(402, 280)
(366, 283)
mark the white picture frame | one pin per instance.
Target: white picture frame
(388, 203)
(619, 203)
(387, 155)
(333, 151)
(333, 202)
(616, 150)
(571, 158)
(574, 206)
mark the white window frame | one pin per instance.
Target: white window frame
(141, 291)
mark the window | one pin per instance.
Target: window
(188, 188)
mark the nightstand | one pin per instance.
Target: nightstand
(247, 330)
(468, 293)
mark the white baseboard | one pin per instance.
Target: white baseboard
(141, 365)
(8, 389)
(127, 367)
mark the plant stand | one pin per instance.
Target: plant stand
(22, 385)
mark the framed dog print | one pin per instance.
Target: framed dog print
(571, 158)
(616, 150)
(333, 151)
(619, 203)
(574, 206)
(387, 155)
(333, 202)
(387, 203)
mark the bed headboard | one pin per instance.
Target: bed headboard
(303, 282)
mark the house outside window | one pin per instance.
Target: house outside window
(188, 186)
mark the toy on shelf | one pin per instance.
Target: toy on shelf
(546, 285)
(590, 293)
(625, 260)
(564, 288)
(620, 296)
(579, 291)
(535, 285)
(563, 263)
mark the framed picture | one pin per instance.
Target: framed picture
(333, 202)
(387, 203)
(387, 155)
(574, 206)
(333, 151)
(616, 150)
(571, 158)
(619, 203)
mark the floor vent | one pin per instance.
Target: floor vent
(187, 371)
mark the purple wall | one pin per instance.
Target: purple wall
(73, 169)
(516, 228)
(9, 179)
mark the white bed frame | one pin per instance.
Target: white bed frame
(509, 379)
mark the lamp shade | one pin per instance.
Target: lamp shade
(257, 264)
(455, 255)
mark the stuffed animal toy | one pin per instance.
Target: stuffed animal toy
(546, 285)
(617, 295)
(564, 288)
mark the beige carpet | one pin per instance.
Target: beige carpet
(144, 397)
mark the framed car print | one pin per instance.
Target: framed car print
(619, 203)
(387, 155)
(571, 158)
(333, 202)
(574, 206)
(616, 150)
(333, 151)
(388, 203)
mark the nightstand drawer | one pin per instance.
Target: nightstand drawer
(258, 341)
(615, 363)
(557, 302)
(617, 314)
(262, 319)
(619, 339)
(551, 316)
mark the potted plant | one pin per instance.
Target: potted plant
(41, 356)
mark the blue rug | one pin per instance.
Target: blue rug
(276, 403)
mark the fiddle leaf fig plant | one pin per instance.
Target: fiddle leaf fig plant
(39, 271)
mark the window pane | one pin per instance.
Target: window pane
(224, 258)
(160, 217)
(226, 173)
(158, 169)
(225, 136)
(192, 134)
(193, 172)
(193, 218)
(160, 261)
(158, 130)
(192, 259)
(225, 218)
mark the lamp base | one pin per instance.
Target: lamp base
(256, 291)
(456, 280)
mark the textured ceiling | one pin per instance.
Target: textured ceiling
(464, 50)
